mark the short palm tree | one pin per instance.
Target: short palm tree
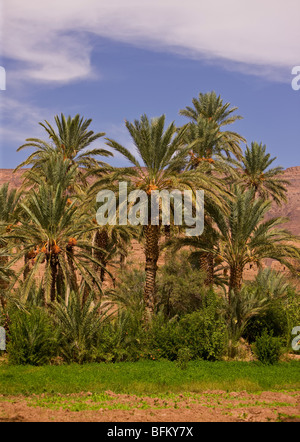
(55, 171)
(257, 174)
(204, 260)
(255, 297)
(161, 155)
(79, 324)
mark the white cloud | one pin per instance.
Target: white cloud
(19, 120)
(52, 40)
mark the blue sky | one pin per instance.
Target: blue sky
(116, 60)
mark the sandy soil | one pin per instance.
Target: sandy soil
(210, 406)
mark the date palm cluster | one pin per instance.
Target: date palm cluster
(49, 235)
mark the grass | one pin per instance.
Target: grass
(149, 378)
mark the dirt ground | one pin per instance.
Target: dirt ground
(210, 406)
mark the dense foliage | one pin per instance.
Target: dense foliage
(68, 289)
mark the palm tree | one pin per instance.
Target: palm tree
(79, 324)
(55, 171)
(203, 260)
(245, 237)
(111, 241)
(71, 138)
(257, 175)
(161, 154)
(209, 108)
(255, 297)
(207, 146)
(6, 273)
(9, 201)
(53, 236)
(9, 208)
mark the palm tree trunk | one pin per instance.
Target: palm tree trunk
(207, 266)
(210, 270)
(122, 261)
(167, 232)
(70, 253)
(3, 284)
(26, 270)
(54, 271)
(151, 254)
(101, 241)
(235, 280)
(203, 261)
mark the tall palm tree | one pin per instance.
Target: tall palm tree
(9, 208)
(257, 174)
(71, 138)
(210, 108)
(53, 236)
(207, 149)
(161, 155)
(246, 237)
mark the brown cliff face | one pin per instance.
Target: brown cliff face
(292, 208)
(8, 176)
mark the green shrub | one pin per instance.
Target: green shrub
(78, 324)
(267, 348)
(32, 337)
(202, 332)
(292, 309)
(165, 338)
(180, 287)
(273, 319)
(122, 339)
(183, 357)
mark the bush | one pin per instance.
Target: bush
(165, 338)
(122, 339)
(273, 319)
(202, 332)
(183, 357)
(180, 287)
(32, 337)
(267, 348)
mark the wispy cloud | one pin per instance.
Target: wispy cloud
(19, 121)
(52, 41)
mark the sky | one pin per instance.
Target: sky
(115, 60)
